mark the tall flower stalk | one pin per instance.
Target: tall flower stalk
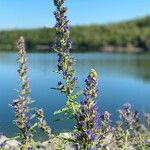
(20, 105)
(130, 118)
(88, 119)
(62, 47)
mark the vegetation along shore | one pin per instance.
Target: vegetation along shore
(128, 36)
(92, 126)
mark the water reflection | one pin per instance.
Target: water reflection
(122, 78)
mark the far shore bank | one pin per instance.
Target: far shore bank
(105, 49)
(128, 36)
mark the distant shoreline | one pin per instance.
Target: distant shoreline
(105, 49)
(130, 36)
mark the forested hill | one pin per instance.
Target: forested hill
(128, 36)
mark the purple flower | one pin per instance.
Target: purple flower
(130, 117)
(75, 79)
(98, 145)
(88, 119)
(101, 137)
(63, 45)
(20, 105)
(81, 123)
(2, 145)
(65, 65)
(88, 132)
(29, 148)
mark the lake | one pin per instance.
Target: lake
(122, 78)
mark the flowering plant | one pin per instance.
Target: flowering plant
(92, 128)
(20, 105)
(62, 46)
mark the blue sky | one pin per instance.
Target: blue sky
(39, 13)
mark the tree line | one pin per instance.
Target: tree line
(127, 36)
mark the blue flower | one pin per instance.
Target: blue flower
(20, 105)
(88, 118)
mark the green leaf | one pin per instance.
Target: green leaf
(61, 110)
(63, 119)
(77, 94)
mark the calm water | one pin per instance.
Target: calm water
(122, 78)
